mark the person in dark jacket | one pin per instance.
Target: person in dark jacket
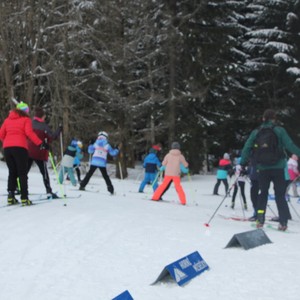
(151, 164)
(40, 157)
(15, 131)
(271, 173)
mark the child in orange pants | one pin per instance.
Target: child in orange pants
(172, 163)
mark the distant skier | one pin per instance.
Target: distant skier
(240, 183)
(15, 131)
(40, 157)
(151, 164)
(172, 163)
(293, 173)
(224, 167)
(99, 150)
(77, 160)
(67, 162)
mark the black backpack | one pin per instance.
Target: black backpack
(266, 149)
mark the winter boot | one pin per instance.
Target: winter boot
(11, 200)
(252, 219)
(260, 218)
(52, 196)
(81, 188)
(245, 206)
(282, 226)
(110, 188)
(26, 202)
(232, 205)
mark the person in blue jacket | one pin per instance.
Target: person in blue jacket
(99, 150)
(151, 165)
(77, 160)
(68, 161)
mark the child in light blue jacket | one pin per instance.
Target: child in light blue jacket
(99, 150)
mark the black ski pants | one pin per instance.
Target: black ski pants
(265, 177)
(42, 165)
(254, 192)
(16, 160)
(241, 185)
(103, 171)
(216, 188)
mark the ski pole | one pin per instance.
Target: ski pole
(121, 175)
(62, 154)
(155, 179)
(272, 211)
(227, 194)
(57, 177)
(18, 184)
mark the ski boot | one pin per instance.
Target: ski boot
(260, 219)
(11, 200)
(282, 226)
(52, 196)
(26, 202)
(110, 188)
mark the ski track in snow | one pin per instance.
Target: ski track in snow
(100, 245)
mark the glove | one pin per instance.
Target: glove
(60, 127)
(183, 169)
(162, 168)
(231, 172)
(243, 171)
(44, 146)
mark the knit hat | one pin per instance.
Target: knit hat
(226, 156)
(39, 112)
(156, 147)
(175, 145)
(294, 157)
(74, 143)
(23, 106)
(102, 134)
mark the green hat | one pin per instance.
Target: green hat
(23, 106)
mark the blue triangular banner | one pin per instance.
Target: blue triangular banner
(184, 269)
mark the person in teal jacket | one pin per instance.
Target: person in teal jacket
(224, 167)
(273, 172)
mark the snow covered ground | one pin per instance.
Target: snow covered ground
(99, 245)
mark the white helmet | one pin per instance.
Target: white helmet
(103, 133)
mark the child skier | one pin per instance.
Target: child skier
(99, 151)
(172, 162)
(67, 163)
(77, 160)
(240, 183)
(222, 173)
(151, 163)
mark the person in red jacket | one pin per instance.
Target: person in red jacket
(15, 131)
(40, 157)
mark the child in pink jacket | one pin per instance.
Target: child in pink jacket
(172, 163)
